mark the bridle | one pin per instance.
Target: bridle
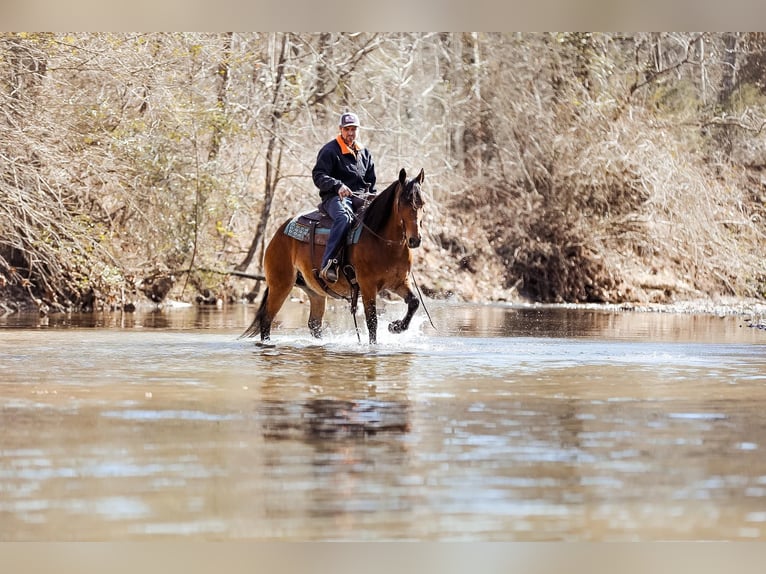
(389, 242)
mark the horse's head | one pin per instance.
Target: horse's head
(409, 204)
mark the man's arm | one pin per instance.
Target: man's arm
(322, 170)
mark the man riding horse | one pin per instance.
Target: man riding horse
(344, 173)
(376, 257)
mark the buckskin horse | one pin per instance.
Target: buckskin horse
(377, 257)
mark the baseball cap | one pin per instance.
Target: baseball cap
(349, 119)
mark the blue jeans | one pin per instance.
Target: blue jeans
(342, 213)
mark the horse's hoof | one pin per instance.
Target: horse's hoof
(395, 327)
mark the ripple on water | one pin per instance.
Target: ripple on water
(557, 426)
(154, 415)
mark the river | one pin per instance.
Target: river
(502, 423)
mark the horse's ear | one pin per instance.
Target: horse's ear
(421, 176)
(402, 176)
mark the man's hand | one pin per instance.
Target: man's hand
(344, 191)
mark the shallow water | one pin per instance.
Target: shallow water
(503, 423)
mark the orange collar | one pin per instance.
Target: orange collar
(345, 149)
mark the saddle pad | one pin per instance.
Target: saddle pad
(300, 228)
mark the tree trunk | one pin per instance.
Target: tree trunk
(473, 133)
(723, 134)
(729, 68)
(223, 84)
(272, 168)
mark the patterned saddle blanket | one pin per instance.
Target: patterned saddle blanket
(300, 226)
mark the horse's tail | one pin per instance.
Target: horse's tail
(255, 326)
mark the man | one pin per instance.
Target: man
(344, 170)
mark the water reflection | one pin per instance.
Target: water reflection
(450, 320)
(174, 318)
(564, 322)
(332, 418)
(333, 394)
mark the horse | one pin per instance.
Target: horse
(380, 259)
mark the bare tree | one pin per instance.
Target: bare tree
(548, 154)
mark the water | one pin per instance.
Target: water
(504, 423)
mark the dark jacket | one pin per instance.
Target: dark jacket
(337, 164)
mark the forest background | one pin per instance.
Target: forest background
(560, 167)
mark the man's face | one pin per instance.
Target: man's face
(348, 135)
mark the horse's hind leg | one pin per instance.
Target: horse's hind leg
(412, 305)
(273, 299)
(280, 278)
(279, 289)
(316, 313)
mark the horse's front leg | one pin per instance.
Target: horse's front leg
(316, 313)
(412, 305)
(371, 315)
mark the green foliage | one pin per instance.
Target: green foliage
(748, 97)
(678, 99)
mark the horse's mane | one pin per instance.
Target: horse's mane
(377, 213)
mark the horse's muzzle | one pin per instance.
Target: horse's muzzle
(413, 242)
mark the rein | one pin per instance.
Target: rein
(422, 302)
(387, 241)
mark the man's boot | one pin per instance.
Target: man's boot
(330, 271)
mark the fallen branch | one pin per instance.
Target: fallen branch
(245, 275)
(226, 272)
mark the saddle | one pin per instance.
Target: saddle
(314, 226)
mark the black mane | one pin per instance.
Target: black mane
(377, 213)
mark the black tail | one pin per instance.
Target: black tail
(255, 327)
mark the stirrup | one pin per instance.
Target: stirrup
(330, 271)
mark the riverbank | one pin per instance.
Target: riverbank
(752, 311)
